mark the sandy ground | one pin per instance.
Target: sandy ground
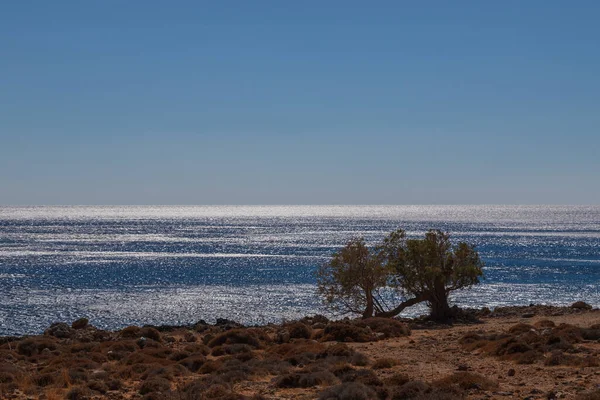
(430, 354)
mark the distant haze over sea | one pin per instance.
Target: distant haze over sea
(162, 264)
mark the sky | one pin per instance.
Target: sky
(311, 102)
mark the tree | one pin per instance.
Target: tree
(415, 270)
(350, 282)
(430, 269)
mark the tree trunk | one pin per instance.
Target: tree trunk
(370, 307)
(397, 310)
(440, 309)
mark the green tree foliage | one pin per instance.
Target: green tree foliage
(430, 269)
(350, 282)
(417, 270)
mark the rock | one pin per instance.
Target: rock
(581, 305)
(59, 330)
(462, 367)
(81, 323)
(511, 372)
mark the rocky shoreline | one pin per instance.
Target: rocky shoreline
(533, 352)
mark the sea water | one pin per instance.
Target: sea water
(140, 265)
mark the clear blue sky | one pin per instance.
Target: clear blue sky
(311, 102)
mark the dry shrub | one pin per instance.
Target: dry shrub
(9, 373)
(195, 348)
(131, 332)
(593, 395)
(179, 355)
(305, 380)
(581, 305)
(560, 358)
(397, 379)
(78, 375)
(299, 352)
(472, 341)
(384, 363)
(511, 346)
(520, 328)
(98, 386)
(114, 384)
(193, 363)
(298, 347)
(78, 393)
(347, 332)
(135, 371)
(236, 336)
(348, 391)
(157, 352)
(364, 376)
(201, 388)
(83, 347)
(144, 358)
(525, 345)
(44, 380)
(160, 385)
(81, 323)
(386, 327)
(529, 357)
(190, 337)
(337, 350)
(592, 333)
(268, 366)
(210, 367)
(168, 372)
(231, 349)
(150, 333)
(466, 381)
(411, 390)
(245, 357)
(341, 368)
(340, 352)
(298, 330)
(545, 323)
(126, 346)
(34, 346)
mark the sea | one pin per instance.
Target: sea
(136, 265)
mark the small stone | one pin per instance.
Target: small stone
(511, 372)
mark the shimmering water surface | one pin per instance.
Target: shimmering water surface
(138, 265)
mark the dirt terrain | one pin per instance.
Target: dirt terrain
(535, 352)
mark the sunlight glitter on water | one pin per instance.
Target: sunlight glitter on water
(125, 265)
